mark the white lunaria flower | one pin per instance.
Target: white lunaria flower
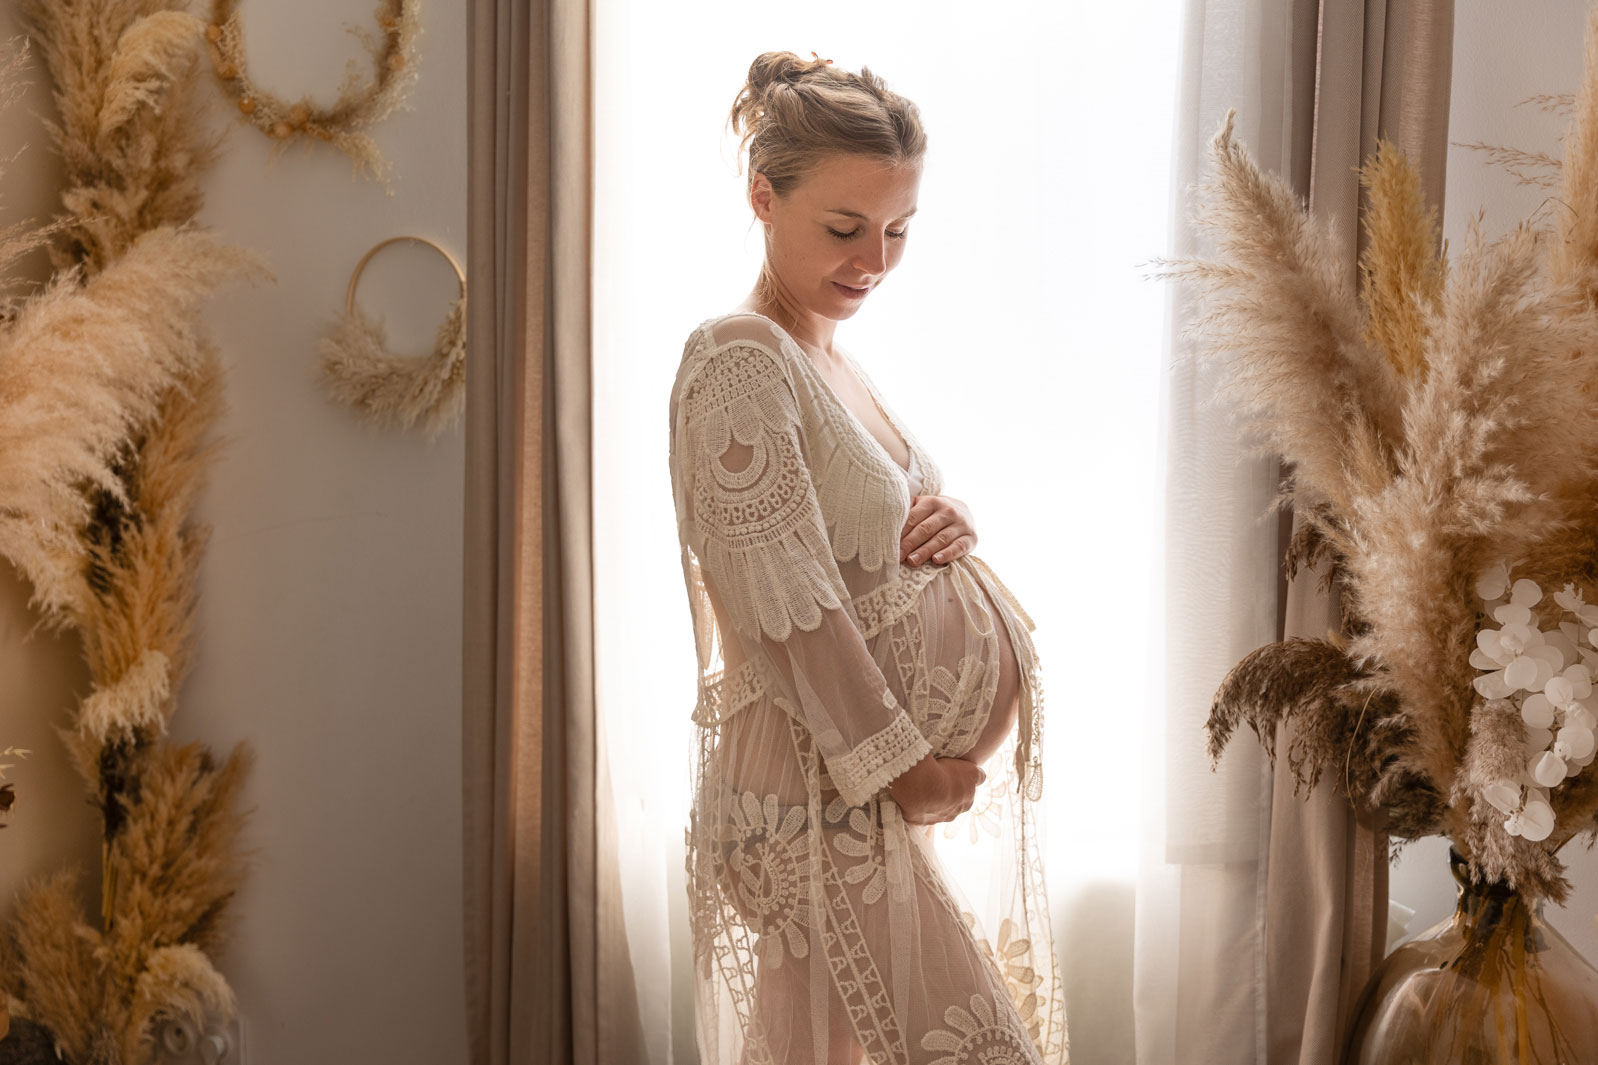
(1521, 674)
(1559, 692)
(1493, 582)
(1491, 686)
(1512, 614)
(1574, 743)
(1567, 637)
(1537, 711)
(1548, 769)
(1519, 657)
(1503, 794)
(1550, 675)
(1534, 820)
(1571, 599)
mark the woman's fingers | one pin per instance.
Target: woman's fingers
(934, 530)
(923, 520)
(960, 547)
(930, 535)
(944, 545)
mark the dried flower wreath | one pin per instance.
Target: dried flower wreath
(361, 103)
(361, 374)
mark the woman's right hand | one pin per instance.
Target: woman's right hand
(936, 789)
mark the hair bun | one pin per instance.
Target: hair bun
(779, 68)
(784, 132)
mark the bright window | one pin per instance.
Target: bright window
(1018, 338)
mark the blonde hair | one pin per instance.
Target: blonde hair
(792, 112)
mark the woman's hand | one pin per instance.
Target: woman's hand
(936, 789)
(937, 529)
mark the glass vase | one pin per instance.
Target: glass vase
(1492, 985)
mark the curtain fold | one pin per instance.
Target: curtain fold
(1383, 70)
(1199, 961)
(547, 972)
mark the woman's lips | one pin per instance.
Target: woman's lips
(851, 293)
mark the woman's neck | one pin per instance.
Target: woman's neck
(811, 331)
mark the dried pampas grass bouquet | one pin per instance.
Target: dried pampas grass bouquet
(1441, 419)
(387, 389)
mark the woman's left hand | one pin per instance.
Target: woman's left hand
(938, 529)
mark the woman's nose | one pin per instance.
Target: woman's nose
(873, 257)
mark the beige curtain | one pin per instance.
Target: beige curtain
(1382, 69)
(1199, 964)
(547, 972)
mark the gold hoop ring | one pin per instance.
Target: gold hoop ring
(355, 278)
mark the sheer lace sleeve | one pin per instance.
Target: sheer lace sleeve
(747, 508)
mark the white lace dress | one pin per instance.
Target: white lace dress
(822, 922)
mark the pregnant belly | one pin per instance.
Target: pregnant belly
(974, 682)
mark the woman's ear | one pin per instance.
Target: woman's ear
(760, 196)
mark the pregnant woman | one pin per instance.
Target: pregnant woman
(862, 676)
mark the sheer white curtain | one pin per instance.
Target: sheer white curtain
(1019, 338)
(1200, 887)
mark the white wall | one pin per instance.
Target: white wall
(329, 629)
(1503, 54)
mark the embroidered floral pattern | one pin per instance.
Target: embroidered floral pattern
(863, 840)
(1013, 959)
(767, 868)
(1011, 963)
(981, 1035)
(949, 719)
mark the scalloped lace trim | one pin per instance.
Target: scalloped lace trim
(727, 693)
(877, 759)
(891, 600)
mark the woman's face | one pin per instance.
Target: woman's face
(833, 239)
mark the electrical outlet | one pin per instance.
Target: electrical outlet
(235, 1054)
(178, 1043)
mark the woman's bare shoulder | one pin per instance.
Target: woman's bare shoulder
(743, 327)
(736, 349)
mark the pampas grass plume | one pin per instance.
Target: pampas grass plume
(56, 980)
(82, 367)
(1400, 272)
(1277, 310)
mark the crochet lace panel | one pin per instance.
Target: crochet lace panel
(759, 526)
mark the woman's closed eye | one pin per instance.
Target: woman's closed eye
(899, 235)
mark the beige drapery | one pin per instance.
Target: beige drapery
(1199, 983)
(547, 972)
(1383, 69)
